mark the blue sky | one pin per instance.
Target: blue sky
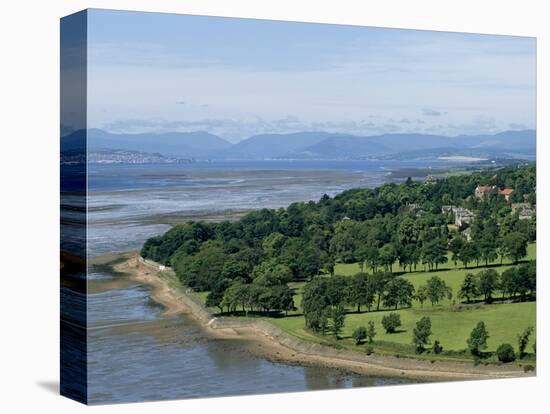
(241, 77)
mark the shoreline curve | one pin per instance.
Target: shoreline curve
(277, 345)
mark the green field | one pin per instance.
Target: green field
(353, 268)
(504, 322)
(452, 321)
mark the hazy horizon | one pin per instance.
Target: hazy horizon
(159, 132)
(236, 78)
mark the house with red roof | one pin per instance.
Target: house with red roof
(483, 191)
(506, 193)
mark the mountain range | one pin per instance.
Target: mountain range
(310, 145)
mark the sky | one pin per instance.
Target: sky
(240, 77)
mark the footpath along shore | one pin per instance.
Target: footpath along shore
(273, 343)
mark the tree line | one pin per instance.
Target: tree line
(515, 283)
(385, 291)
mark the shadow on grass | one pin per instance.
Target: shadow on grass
(397, 331)
(479, 267)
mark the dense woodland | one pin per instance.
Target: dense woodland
(248, 264)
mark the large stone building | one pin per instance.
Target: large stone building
(525, 211)
(463, 216)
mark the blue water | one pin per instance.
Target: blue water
(104, 177)
(136, 354)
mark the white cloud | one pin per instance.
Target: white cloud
(466, 78)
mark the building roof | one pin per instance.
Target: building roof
(484, 188)
(506, 191)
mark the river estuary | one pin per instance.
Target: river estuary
(136, 354)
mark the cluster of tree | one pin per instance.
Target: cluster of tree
(323, 303)
(515, 282)
(267, 292)
(322, 295)
(405, 239)
(374, 227)
(361, 333)
(489, 241)
(477, 342)
(421, 332)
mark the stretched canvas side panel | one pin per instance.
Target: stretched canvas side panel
(73, 211)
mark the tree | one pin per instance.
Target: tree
(235, 267)
(373, 258)
(361, 291)
(391, 322)
(284, 298)
(505, 353)
(278, 297)
(303, 258)
(526, 279)
(487, 283)
(488, 247)
(315, 301)
(329, 264)
(523, 341)
(455, 247)
(271, 273)
(508, 282)
(434, 252)
(388, 256)
(215, 296)
(422, 295)
(468, 289)
(379, 281)
(399, 292)
(371, 332)
(421, 334)
(514, 246)
(478, 339)
(238, 294)
(201, 270)
(361, 254)
(436, 289)
(343, 244)
(437, 348)
(359, 335)
(273, 244)
(337, 290)
(338, 316)
(468, 253)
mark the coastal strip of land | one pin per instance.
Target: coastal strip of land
(274, 344)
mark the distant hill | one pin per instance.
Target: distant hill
(344, 146)
(525, 140)
(175, 144)
(414, 142)
(310, 145)
(416, 145)
(273, 145)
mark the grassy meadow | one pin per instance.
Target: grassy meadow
(452, 321)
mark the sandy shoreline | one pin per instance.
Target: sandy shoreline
(270, 342)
